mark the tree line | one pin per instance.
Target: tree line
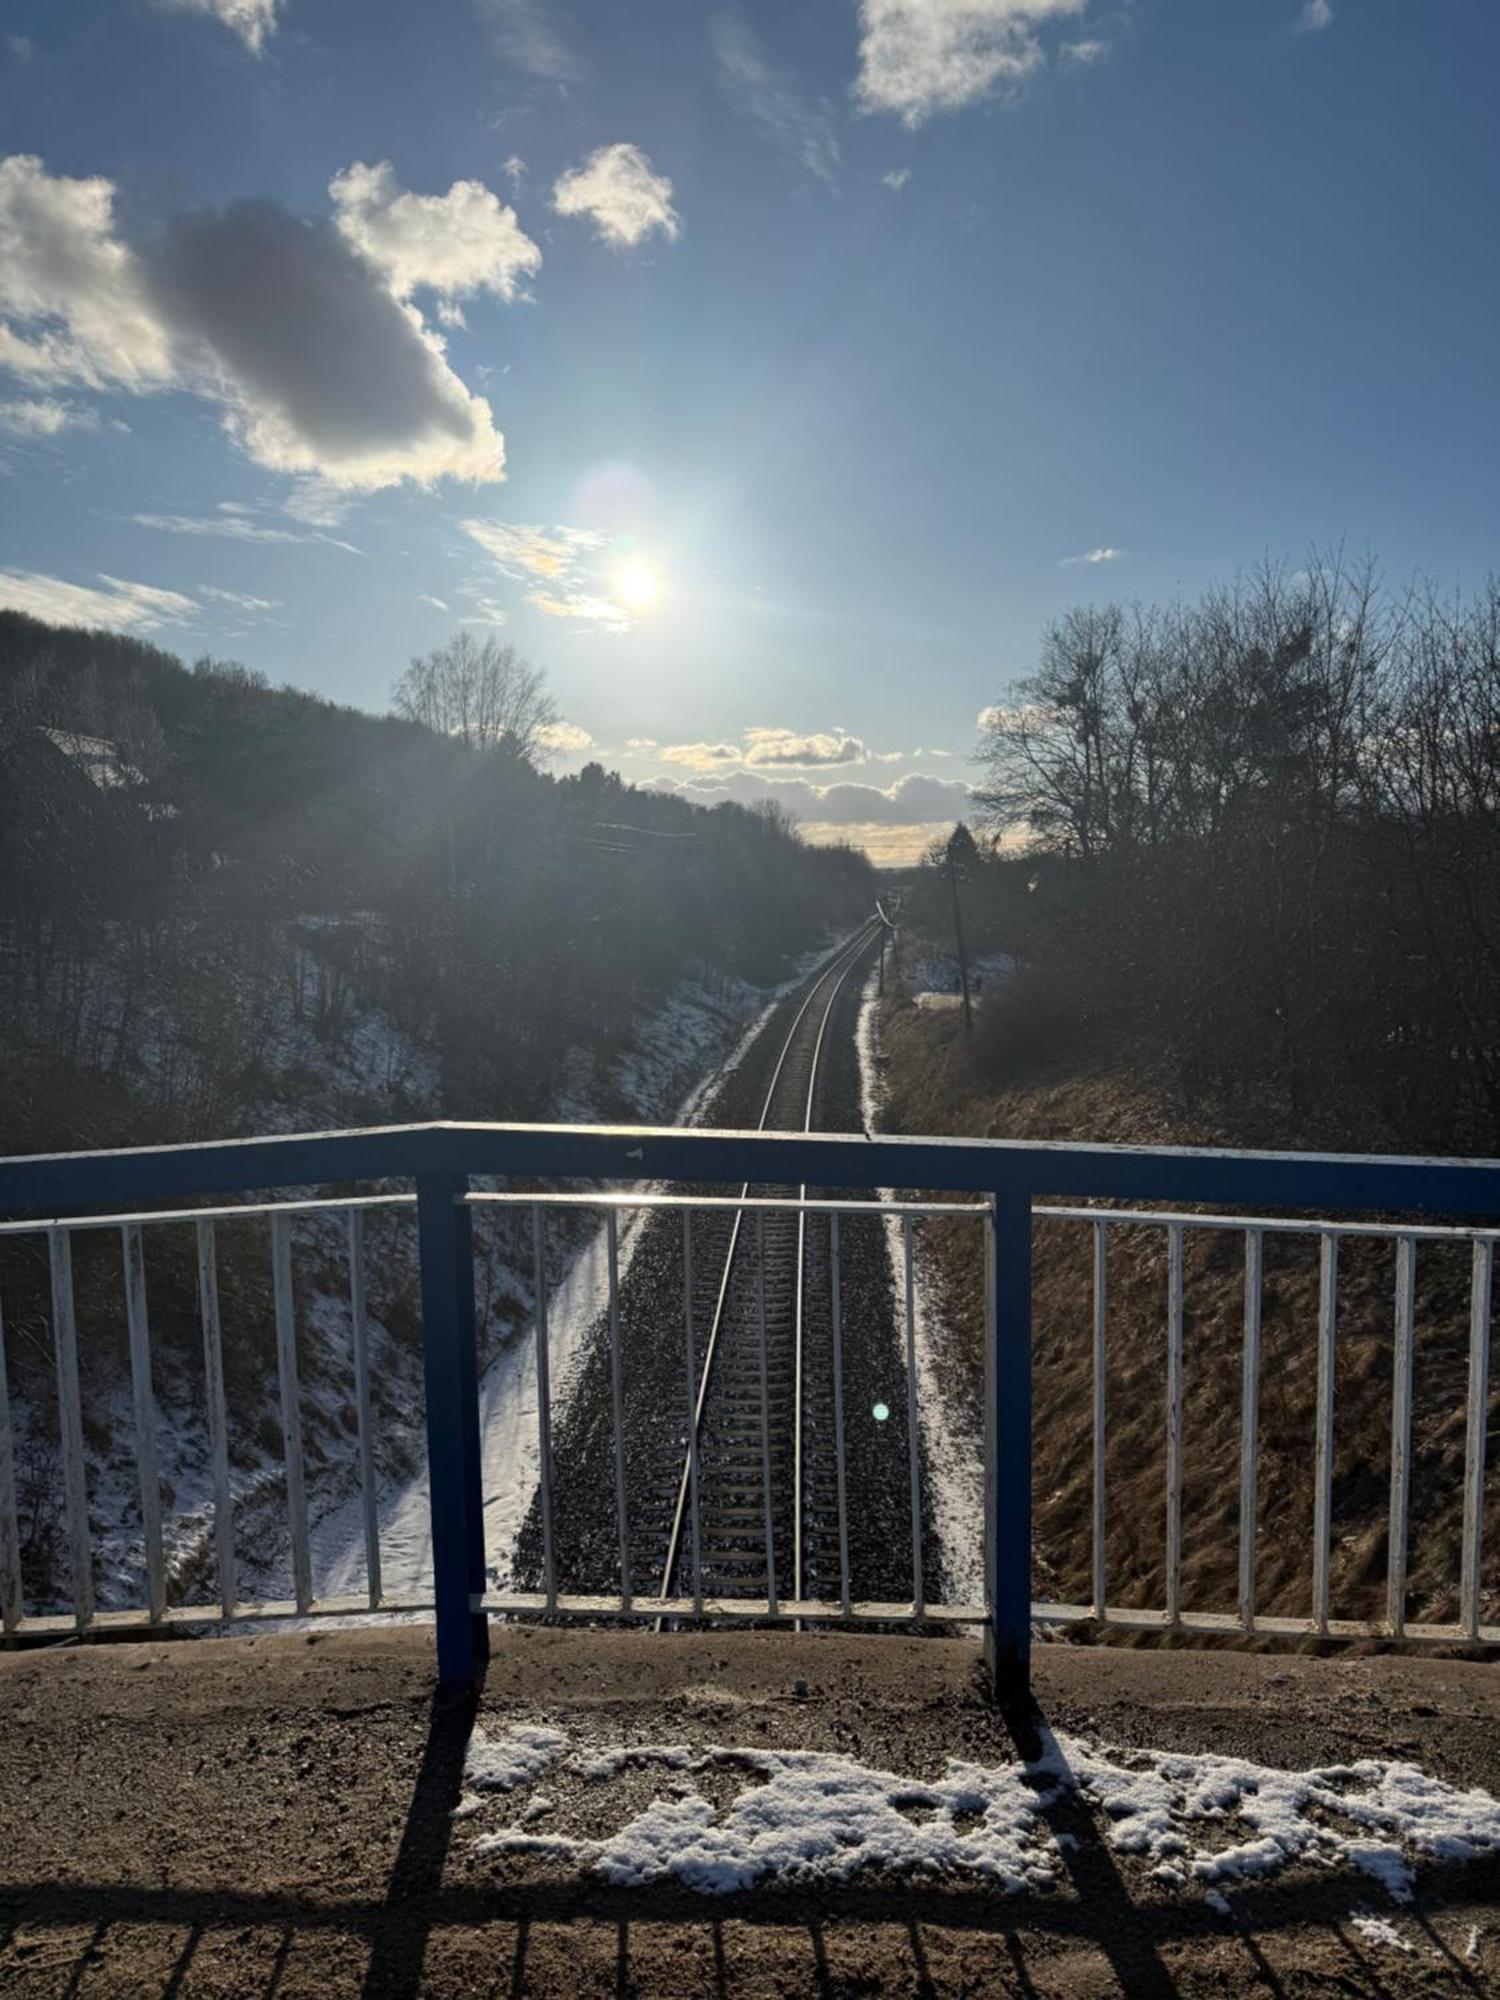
(179, 845)
(1253, 843)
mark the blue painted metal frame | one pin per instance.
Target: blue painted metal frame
(442, 1158)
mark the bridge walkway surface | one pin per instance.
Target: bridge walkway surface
(277, 1816)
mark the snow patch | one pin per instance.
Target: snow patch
(814, 1815)
(519, 1757)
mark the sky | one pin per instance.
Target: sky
(771, 375)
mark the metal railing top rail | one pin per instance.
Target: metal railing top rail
(1160, 1218)
(243, 1211)
(783, 1203)
(1011, 1167)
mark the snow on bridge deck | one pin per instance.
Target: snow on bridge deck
(684, 1813)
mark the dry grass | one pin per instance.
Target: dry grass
(932, 1088)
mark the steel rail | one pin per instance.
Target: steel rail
(838, 969)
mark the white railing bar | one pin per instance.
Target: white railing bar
(1474, 1442)
(235, 1212)
(70, 1427)
(144, 1401)
(218, 1421)
(1250, 1425)
(11, 1607)
(359, 1330)
(1101, 1319)
(836, 1300)
(543, 1407)
(1328, 1307)
(291, 1405)
(913, 1440)
(765, 1410)
(787, 1204)
(1406, 1291)
(695, 1518)
(1158, 1218)
(1174, 1423)
(617, 1404)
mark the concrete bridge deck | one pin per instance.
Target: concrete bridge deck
(275, 1816)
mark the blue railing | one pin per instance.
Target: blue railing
(62, 1192)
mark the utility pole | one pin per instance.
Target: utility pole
(958, 933)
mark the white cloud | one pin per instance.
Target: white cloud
(564, 739)
(759, 89)
(702, 756)
(1102, 555)
(896, 179)
(619, 188)
(640, 745)
(523, 33)
(233, 524)
(558, 565)
(1080, 55)
(236, 600)
(253, 21)
(321, 369)
(887, 846)
(76, 296)
(45, 417)
(915, 799)
(1316, 14)
(514, 170)
(121, 606)
(785, 746)
(437, 603)
(457, 243)
(922, 56)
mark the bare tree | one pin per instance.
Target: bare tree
(480, 691)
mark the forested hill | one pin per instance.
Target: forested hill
(192, 860)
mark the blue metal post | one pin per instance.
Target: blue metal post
(446, 1245)
(1007, 1448)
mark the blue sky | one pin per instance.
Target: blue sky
(769, 374)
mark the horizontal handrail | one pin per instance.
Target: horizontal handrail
(1156, 1218)
(1045, 1168)
(243, 1211)
(787, 1204)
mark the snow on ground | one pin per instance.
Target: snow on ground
(953, 1461)
(1197, 1821)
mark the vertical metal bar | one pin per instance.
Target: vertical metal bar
(445, 1238)
(765, 1409)
(543, 1406)
(1250, 1424)
(617, 1402)
(1406, 1300)
(359, 1326)
(1478, 1421)
(1328, 1306)
(145, 1417)
(70, 1425)
(291, 1407)
(1101, 1317)
(1174, 1422)
(695, 1529)
(1007, 1446)
(913, 1438)
(10, 1537)
(838, 1402)
(218, 1423)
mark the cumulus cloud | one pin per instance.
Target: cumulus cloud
(1080, 55)
(620, 189)
(918, 57)
(640, 745)
(1102, 555)
(121, 606)
(321, 365)
(887, 846)
(915, 799)
(45, 417)
(1315, 15)
(702, 756)
(784, 746)
(253, 21)
(896, 179)
(760, 90)
(564, 739)
(523, 33)
(77, 300)
(455, 244)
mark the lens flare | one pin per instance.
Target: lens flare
(636, 584)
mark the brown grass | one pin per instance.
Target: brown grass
(932, 1087)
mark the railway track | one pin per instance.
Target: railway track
(760, 1508)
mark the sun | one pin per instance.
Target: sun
(636, 584)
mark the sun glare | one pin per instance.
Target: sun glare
(636, 585)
